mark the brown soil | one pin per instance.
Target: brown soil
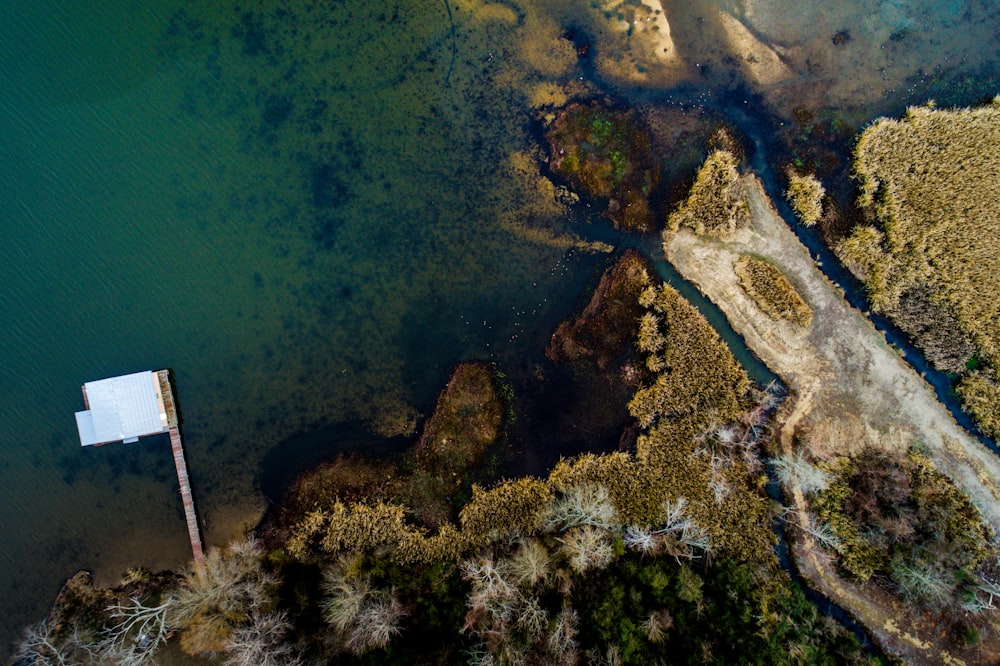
(850, 390)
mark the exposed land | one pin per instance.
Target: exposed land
(850, 390)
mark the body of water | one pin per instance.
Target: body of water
(310, 211)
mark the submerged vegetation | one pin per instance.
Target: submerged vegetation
(771, 290)
(605, 153)
(927, 180)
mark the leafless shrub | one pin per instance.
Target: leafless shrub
(493, 594)
(587, 548)
(377, 623)
(922, 582)
(562, 641)
(533, 619)
(677, 534)
(262, 642)
(343, 598)
(364, 617)
(657, 625)
(39, 647)
(530, 564)
(581, 505)
(138, 631)
(796, 470)
(213, 600)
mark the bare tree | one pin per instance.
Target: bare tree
(562, 641)
(795, 469)
(677, 535)
(587, 547)
(39, 647)
(261, 642)
(138, 630)
(582, 505)
(530, 564)
(377, 623)
(363, 616)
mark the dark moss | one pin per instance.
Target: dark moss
(606, 329)
(277, 109)
(840, 38)
(467, 420)
(327, 187)
(606, 154)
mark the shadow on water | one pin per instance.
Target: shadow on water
(304, 452)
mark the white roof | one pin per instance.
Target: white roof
(121, 409)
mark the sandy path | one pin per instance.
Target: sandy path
(851, 389)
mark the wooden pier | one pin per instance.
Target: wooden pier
(190, 515)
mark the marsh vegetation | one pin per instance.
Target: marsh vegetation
(612, 558)
(771, 290)
(805, 195)
(929, 259)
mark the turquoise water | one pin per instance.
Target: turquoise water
(309, 211)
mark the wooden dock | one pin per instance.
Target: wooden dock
(167, 393)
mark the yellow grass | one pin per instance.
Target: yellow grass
(931, 180)
(715, 205)
(771, 290)
(805, 195)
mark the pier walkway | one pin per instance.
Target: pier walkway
(190, 515)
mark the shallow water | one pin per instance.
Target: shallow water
(311, 212)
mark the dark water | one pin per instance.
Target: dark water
(309, 211)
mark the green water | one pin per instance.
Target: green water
(296, 208)
(310, 211)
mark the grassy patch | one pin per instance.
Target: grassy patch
(715, 204)
(805, 196)
(771, 290)
(929, 181)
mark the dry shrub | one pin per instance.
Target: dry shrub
(805, 196)
(700, 375)
(510, 508)
(214, 600)
(980, 394)
(715, 205)
(929, 180)
(771, 290)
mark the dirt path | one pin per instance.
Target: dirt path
(851, 389)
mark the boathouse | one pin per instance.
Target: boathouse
(125, 408)
(122, 409)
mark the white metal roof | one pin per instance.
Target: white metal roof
(121, 409)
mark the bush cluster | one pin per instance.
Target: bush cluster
(771, 290)
(899, 518)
